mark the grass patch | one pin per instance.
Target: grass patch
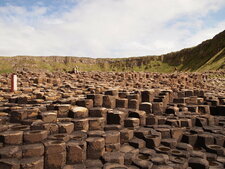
(5, 66)
(215, 63)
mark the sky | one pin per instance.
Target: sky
(106, 28)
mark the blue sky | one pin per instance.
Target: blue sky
(46, 3)
(53, 6)
(112, 28)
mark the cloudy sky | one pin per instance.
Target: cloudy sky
(106, 28)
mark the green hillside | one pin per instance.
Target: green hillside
(209, 55)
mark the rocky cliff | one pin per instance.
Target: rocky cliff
(209, 55)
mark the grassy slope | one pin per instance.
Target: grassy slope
(209, 55)
(214, 63)
(5, 65)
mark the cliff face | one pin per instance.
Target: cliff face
(43, 63)
(209, 55)
(196, 58)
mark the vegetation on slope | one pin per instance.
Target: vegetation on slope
(196, 58)
(209, 55)
(5, 65)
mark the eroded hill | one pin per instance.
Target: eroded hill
(209, 55)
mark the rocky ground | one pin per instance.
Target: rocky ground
(113, 120)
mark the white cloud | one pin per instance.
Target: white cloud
(112, 28)
(206, 33)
